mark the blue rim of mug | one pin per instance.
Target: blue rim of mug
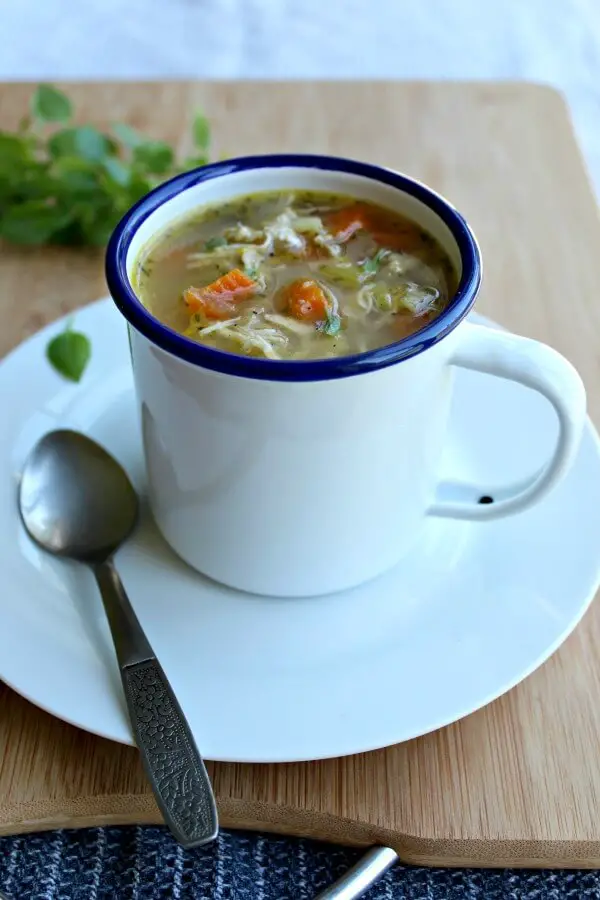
(290, 370)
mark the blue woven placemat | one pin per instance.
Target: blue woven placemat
(145, 863)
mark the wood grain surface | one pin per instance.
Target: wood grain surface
(517, 783)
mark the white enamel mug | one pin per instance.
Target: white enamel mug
(301, 478)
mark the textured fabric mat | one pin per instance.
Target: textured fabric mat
(145, 863)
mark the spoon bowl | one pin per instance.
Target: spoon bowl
(75, 499)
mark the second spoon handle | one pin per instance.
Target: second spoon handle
(171, 760)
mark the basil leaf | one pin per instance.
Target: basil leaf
(62, 143)
(128, 135)
(25, 180)
(97, 233)
(69, 353)
(50, 105)
(70, 236)
(86, 142)
(91, 144)
(118, 171)
(13, 150)
(33, 222)
(72, 186)
(154, 156)
(138, 186)
(75, 176)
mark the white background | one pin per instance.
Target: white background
(553, 41)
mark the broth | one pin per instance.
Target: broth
(295, 275)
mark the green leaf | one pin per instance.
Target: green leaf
(50, 105)
(128, 135)
(371, 266)
(70, 236)
(138, 186)
(62, 143)
(33, 222)
(332, 324)
(154, 156)
(201, 133)
(90, 143)
(13, 149)
(117, 170)
(71, 186)
(86, 142)
(30, 181)
(69, 353)
(98, 232)
(74, 175)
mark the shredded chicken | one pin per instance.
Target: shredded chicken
(328, 243)
(284, 236)
(290, 324)
(217, 326)
(241, 233)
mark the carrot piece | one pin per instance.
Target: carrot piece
(385, 229)
(230, 283)
(214, 307)
(218, 300)
(305, 300)
(343, 223)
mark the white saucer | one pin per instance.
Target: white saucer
(475, 611)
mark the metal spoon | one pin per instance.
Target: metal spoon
(76, 501)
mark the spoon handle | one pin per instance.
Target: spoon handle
(172, 762)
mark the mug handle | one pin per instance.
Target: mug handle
(542, 369)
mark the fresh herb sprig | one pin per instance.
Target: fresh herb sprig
(331, 325)
(371, 266)
(68, 184)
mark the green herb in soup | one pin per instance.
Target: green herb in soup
(302, 275)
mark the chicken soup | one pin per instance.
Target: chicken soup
(294, 276)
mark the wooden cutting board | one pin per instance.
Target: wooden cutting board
(517, 783)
